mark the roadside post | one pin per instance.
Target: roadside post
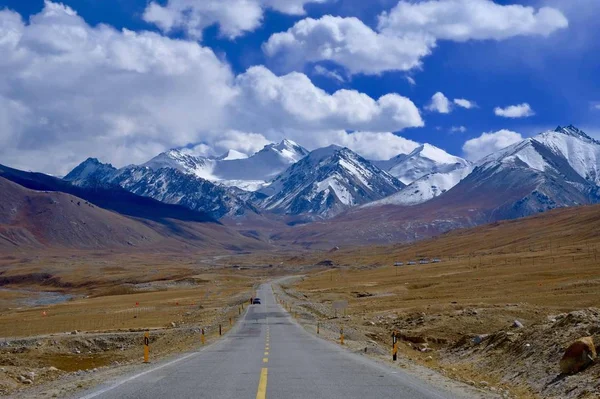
(341, 335)
(230, 321)
(318, 325)
(202, 337)
(146, 347)
(394, 346)
(220, 330)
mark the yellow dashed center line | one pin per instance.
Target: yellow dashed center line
(265, 360)
(262, 384)
(266, 353)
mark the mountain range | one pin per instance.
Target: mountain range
(412, 195)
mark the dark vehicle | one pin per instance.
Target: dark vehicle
(256, 301)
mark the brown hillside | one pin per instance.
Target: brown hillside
(38, 219)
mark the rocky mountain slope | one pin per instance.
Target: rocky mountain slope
(169, 185)
(422, 161)
(233, 168)
(326, 182)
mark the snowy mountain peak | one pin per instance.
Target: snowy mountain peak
(574, 132)
(183, 162)
(286, 149)
(89, 172)
(232, 155)
(423, 160)
(326, 182)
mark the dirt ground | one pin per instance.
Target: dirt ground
(65, 319)
(441, 309)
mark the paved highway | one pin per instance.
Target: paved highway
(268, 355)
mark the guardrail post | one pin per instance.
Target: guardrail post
(146, 347)
(394, 346)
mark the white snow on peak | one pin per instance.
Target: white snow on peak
(423, 160)
(425, 188)
(231, 155)
(541, 152)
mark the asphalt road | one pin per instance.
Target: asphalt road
(268, 355)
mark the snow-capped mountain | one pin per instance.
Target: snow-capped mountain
(234, 168)
(168, 184)
(326, 182)
(553, 169)
(423, 160)
(425, 188)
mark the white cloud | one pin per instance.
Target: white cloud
(515, 111)
(463, 20)
(69, 90)
(439, 103)
(411, 80)
(322, 71)
(247, 143)
(348, 42)
(234, 17)
(370, 145)
(266, 101)
(595, 105)
(406, 34)
(74, 90)
(461, 102)
(487, 143)
(458, 129)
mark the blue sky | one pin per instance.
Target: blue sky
(553, 66)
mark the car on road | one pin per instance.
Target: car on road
(256, 301)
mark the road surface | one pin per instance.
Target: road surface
(268, 355)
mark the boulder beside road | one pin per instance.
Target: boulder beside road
(578, 356)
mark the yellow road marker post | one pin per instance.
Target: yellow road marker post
(261, 393)
(146, 347)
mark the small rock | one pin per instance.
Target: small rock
(479, 338)
(75, 332)
(173, 324)
(428, 358)
(52, 368)
(484, 383)
(30, 375)
(517, 324)
(578, 356)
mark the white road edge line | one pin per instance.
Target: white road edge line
(118, 384)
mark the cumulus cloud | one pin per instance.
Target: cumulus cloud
(461, 102)
(74, 90)
(266, 101)
(515, 111)
(405, 34)
(487, 143)
(247, 143)
(347, 42)
(234, 17)
(439, 103)
(463, 20)
(69, 90)
(370, 145)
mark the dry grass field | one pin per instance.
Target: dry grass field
(69, 313)
(532, 270)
